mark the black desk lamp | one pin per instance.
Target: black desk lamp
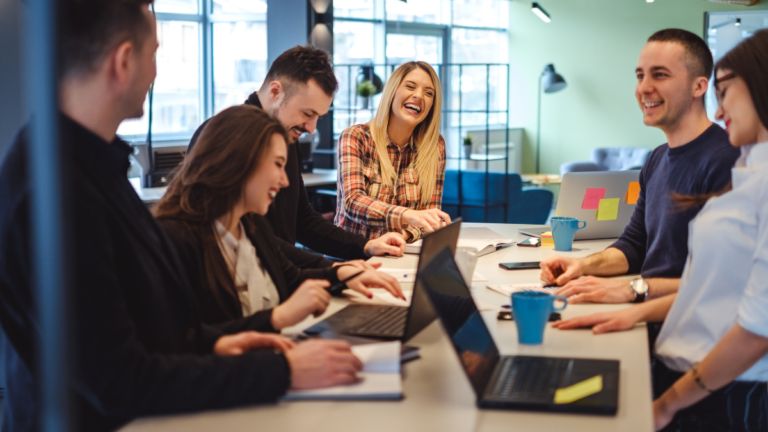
(550, 82)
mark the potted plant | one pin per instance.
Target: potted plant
(467, 146)
(365, 90)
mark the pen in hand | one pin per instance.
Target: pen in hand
(340, 285)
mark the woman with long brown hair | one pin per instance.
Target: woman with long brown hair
(711, 363)
(392, 170)
(213, 211)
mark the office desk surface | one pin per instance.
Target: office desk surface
(438, 396)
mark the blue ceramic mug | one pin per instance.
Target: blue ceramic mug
(563, 231)
(532, 311)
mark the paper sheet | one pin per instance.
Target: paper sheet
(580, 390)
(592, 198)
(409, 275)
(633, 193)
(608, 210)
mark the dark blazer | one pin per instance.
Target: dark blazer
(293, 219)
(222, 310)
(139, 345)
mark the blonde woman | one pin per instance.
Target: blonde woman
(392, 169)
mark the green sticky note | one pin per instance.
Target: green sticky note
(579, 390)
(608, 209)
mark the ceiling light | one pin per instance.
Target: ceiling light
(540, 12)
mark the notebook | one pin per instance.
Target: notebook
(380, 378)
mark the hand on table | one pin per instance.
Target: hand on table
(370, 279)
(602, 322)
(597, 290)
(390, 243)
(310, 298)
(430, 220)
(236, 344)
(560, 270)
(322, 363)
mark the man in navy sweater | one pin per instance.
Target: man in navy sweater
(672, 78)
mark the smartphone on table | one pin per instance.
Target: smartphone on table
(530, 242)
(519, 265)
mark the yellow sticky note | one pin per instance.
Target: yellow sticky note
(608, 209)
(633, 192)
(580, 390)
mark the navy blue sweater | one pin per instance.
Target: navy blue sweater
(656, 240)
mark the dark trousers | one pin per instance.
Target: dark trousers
(739, 406)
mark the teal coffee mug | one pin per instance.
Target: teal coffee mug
(532, 311)
(563, 231)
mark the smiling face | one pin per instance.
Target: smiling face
(736, 109)
(665, 90)
(299, 109)
(414, 98)
(267, 179)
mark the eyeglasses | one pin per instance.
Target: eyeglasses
(719, 93)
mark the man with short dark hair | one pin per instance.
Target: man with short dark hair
(139, 347)
(672, 78)
(298, 89)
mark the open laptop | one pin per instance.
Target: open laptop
(509, 382)
(571, 199)
(394, 322)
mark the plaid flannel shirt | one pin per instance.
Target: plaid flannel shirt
(365, 204)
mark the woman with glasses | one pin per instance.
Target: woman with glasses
(711, 364)
(392, 169)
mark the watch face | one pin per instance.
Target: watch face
(640, 286)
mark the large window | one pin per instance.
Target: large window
(212, 55)
(465, 40)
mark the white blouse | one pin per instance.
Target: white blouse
(725, 280)
(255, 287)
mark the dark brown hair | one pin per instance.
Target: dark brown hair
(698, 56)
(749, 61)
(92, 28)
(211, 181)
(300, 64)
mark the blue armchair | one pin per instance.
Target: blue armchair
(610, 159)
(524, 206)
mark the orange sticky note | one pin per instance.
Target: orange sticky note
(608, 209)
(592, 198)
(633, 193)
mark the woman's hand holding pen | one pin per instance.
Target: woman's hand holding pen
(310, 298)
(430, 220)
(370, 279)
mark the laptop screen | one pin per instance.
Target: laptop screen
(461, 319)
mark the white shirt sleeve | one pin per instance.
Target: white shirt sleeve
(753, 309)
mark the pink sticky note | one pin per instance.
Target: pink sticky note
(592, 198)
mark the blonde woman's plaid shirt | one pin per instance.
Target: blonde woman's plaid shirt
(365, 204)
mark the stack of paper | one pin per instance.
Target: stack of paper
(547, 239)
(380, 378)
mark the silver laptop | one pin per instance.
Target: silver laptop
(571, 200)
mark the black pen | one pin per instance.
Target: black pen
(337, 287)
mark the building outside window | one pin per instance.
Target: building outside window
(212, 55)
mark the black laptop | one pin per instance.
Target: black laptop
(393, 322)
(509, 382)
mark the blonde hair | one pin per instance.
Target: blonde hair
(426, 136)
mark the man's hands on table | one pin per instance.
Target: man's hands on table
(569, 274)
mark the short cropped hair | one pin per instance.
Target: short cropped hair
(300, 64)
(93, 28)
(698, 59)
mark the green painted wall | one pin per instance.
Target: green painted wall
(594, 44)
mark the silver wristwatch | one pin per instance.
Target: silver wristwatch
(640, 288)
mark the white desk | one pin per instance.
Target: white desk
(318, 177)
(438, 396)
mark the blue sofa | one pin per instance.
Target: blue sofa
(610, 159)
(525, 205)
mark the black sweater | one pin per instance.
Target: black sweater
(656, 240)
(293, 218)
(139, 345)
(218, 311)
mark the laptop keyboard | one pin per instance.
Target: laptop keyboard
(528, 378)
(387, 322)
